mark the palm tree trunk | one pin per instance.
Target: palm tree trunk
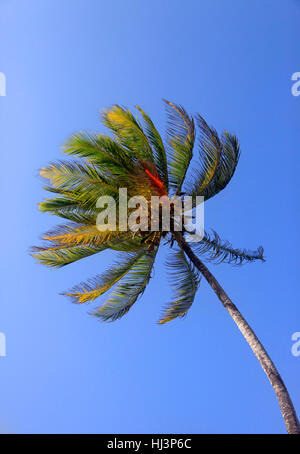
(286, 405)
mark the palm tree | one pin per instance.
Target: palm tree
(136, 158)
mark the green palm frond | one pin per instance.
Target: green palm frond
(128, 132)
(95, 287)
(209, 149)
(218, 251)
(72, 175)
(69, 209)
(68, 200)
(131, 286)
(158, 149)
(57, 253)
(185, 279)
(79, 182)
(59, 256)
(218, 159)
(84, 145)
(229, 158)
(181, 137)
(110, 158)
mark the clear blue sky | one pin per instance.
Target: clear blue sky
(230, 60)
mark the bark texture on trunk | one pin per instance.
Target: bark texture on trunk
(285, 402)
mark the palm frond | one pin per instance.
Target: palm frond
(59, 256)
(83, 145)
(69, 209)
(56, 253)
(128, 132)
(181, 137)
(131, 286)
(79, 234)
(229, 158)
(95, 287)
(218, 251)
(218, 159)
(158, 149)
(185, 279)
(79, 182)
(106, 154)
(72, 175)
(209, 149)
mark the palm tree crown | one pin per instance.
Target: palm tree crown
(136, 158)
